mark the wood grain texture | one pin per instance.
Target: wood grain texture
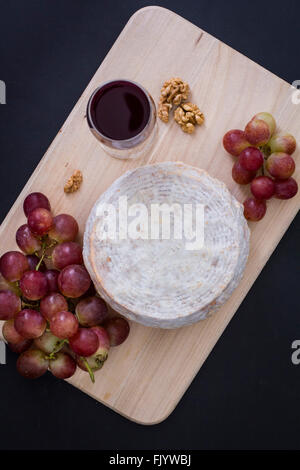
(145, 377)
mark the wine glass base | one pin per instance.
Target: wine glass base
(138, 151)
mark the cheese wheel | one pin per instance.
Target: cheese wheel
(159, 282)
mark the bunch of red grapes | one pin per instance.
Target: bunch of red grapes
(53, 317)
(259, 149)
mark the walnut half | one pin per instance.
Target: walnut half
(173, 92)
(187, 115)
(74, 182)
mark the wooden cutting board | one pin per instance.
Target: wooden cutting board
(145, 378)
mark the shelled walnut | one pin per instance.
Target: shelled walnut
(187, 115)
(173, 92)
(163, 111)
(74, 182)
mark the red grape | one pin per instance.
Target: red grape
(32, 364)
(10, 304)
(63, 366)
(53, 304)
(26, 241)
(33, 261)
(282, 143)
(35, 201)
(240, 175)
(30, 323)
(48, 343)
(10, 334)
(52, 278)
(40, 221)
(12, 265)
(65, 228)
(268, 119)
(280, 165)
(254, 209)
(85, 342)
(64, 324)
(33, 285)
(118, 330)
(74, 281)
(91, 311)
(263, 187)
(257, 132)
(93, 364)
(251, 159)
(21, 346)
(104, 344)
(96, 361)
(67, 253)
(286, 189)
(235, 142)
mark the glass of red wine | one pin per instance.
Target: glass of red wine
(122, 116)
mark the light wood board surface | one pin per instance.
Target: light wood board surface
(145, 377)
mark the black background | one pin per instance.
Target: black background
(246, 396)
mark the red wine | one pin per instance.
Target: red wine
(119, 110)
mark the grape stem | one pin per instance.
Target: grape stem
(44, 247)
(57, 348)
(91, 373)
(265, 150)
(53, 243)
(26, 304)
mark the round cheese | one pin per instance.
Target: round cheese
(158, 274)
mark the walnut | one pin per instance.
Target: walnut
(163, 111)
(73, 183)
(173, 92)
(187, 115)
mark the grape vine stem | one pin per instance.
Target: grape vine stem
(91, 373)
(44, 247)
